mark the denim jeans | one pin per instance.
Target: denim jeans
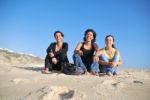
(107, 68)
(113, 70)
(95, 67)
(78, 61)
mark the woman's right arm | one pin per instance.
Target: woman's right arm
(104, 62)
(49, 48)
(101, 51)
(96, 56)
(77, 49)
(51, 54)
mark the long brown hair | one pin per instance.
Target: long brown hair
(94, 35)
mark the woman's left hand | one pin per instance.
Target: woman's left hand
(54, 60)
(114, 64)
(95, 58)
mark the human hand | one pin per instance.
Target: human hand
(51, 54)
(114, 64)
(54, 60)
(80, 52)
(87, 73)
(95, 58)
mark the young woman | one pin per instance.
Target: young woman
(108, 57)
(56, 54)
(84, 51)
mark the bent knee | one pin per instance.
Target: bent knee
(76, 55)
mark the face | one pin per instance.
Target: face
(109, 41)
(89, 36)
(58, 37)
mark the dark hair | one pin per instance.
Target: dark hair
(58, 32)
(94, 35)
(112, 38)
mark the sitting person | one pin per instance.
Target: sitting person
(56, 54)
(108, 57)
(84, 51)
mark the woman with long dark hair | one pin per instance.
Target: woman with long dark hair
(84, 51)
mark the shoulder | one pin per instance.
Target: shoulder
(102, 50)
(95, 45)
(65, 43)
(53, 43)
(117, 52)
(80, 44)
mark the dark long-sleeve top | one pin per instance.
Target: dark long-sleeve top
(61, 54)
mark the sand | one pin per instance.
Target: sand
(28, 83)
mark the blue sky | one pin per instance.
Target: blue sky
(28, 25)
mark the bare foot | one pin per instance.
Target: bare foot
(45, 71)
(92, 73)
(109, 74)
(86, 73)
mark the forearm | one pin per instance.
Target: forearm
(104, 62)
(77, 51)
(49, 49)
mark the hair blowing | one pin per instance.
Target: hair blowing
(94, 35)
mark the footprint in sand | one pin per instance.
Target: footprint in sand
(55, 93)
(19, 80)
(113, 83)
(106, 82)
(118, 85)
(138, 82)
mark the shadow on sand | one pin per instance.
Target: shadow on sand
(37, 69)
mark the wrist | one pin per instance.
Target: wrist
(107, 63)
(53, 57)
(95, 55)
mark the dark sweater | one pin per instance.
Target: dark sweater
(60, 55)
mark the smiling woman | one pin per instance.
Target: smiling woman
(56, 54)
(84, 51)
(26, 23)
(108, 57)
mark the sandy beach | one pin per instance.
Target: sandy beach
(27, 83)
(21, 79)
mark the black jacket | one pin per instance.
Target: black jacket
(60, 55)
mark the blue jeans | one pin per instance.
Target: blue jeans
(78, 61)
(95, 67)
(107, 68)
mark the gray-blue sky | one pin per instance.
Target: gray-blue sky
(28, 25)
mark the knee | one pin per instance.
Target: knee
(76, 56)
(104, 58)
(116, 58)
(95, 65)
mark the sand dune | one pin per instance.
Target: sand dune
(9, 57)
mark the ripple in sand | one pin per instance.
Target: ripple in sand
(55, 93)
(19, 80)
(113, 84)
